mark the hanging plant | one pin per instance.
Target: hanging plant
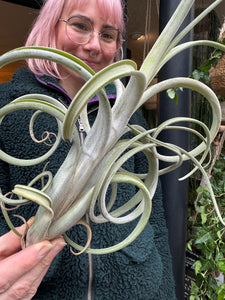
(211, 71)
(217, 72)
(206, 237)
(82, 181)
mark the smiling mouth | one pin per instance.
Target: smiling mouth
(89, 63)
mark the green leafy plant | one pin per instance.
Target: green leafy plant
(171, 93)
(202, 72)
(207, 232)
(207, 238)
(93, 165)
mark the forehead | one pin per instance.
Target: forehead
(96, 10)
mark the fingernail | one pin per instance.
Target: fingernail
(43, 249)
(30, 221)
(59, 246)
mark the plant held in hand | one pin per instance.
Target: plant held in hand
(93, 164)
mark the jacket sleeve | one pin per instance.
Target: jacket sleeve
(4, 167)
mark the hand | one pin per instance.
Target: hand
(22, 272)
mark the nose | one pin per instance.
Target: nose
(94, 42)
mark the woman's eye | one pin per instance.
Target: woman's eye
(108, 36)
(80, 27)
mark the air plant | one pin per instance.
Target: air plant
(93, 164)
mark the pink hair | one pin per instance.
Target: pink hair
(44, 34)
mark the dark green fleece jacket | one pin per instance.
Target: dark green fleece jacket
(141, 271)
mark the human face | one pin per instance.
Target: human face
(91, 53)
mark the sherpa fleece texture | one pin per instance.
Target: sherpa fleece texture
(141, 271)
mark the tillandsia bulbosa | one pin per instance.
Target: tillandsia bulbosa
(95, 163)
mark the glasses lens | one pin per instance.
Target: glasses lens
(109, 39)
(79, 30)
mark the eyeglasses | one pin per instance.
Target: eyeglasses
(80, 31)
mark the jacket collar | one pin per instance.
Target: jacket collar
(53, 84)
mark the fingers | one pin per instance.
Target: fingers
(24, 270)
(11, 242)
(31, 280)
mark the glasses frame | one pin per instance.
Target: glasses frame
(119, 40)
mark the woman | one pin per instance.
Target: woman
(90, 30)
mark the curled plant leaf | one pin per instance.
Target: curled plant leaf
(92, 165)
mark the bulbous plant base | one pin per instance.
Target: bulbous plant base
(216, 77)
